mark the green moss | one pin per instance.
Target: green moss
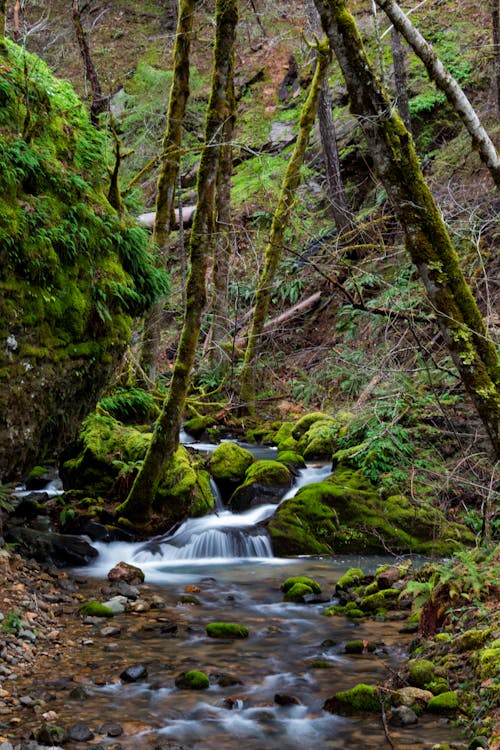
(489, 661)
(359, 647)
(437, 686)
(197, 425)
(192, 680)
(310, 582)
(268, 473)
(291, 459)
(95, 609)
(420, 672)
(444, 703)
(381, 600)
(472, 639)
(305, 422)
(230, 462)
(227, 630)
(359, 699)
(351, 577)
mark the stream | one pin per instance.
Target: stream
(266, 691)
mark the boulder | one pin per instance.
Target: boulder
(61, 550)
(126, 572)
(265, 482)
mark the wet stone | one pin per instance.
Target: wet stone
(134, 673)
(111, 729)
(403, 716)
(80, 733)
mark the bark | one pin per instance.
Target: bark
(398, 59)
(445, 81)
(3, 7)
(426, 237)
(114, 193)
(167, 179)
(280, 222)
(335, 185)
(165, 441)
(495, 24)
(99, 102)
(223, 238)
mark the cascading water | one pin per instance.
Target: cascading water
(223, 534)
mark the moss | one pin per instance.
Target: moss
(359, 699)
(291, 459)
(227, 630)
(359, 647)
(192, 680)
(372, 588)
(305, 422)
(420, 672)
(444, 703)
(489, 661)
(310, 582)
(95, 609)
(230, 462)
(438, 686)
(351, 577)
(197, 425)
(472, 639)
(381, 600)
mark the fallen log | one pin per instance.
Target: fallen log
(289, 314)
(148, 219)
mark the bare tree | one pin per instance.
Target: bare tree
(426, 237)
(165, 440)
(167, 179)
(99, 102)
(445, 81)
(398, 59)
(495, 24)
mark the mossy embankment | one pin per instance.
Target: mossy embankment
(73, 274)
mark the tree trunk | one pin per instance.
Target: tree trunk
(223, 238)
(167, 179)
(3, 8)
(99, 102)
(280, 222)
(445, 81)
(495, 24)
(335, 186)
(426, 237)
(398, 59)
(165, 441)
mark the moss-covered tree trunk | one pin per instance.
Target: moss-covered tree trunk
(167, 178)
(223, 235)
(448, 85)
(3, 4)
(165, 441)
(426, 237)
(279, 224)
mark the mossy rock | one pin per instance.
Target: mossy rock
(444, 703)
(380, 601)
(283, 437)
(291, 459)
(266, 481)
(489, 661)
(197, 425)
(471, 640)
(229, 462)
(227, 630)
(192, 680)
(304, 524)
(359, 647)
(353, 612)
(310, 582)
(438, 686)
(351, 578)
(304, 423)
(95, 609)
(298, 593)
(421, 672)
(183, 489)
(359, 699)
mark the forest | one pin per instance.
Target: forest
(243, 244)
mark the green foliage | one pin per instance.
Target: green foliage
(129, 405)
(12, 622)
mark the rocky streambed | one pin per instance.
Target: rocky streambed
(280, 673)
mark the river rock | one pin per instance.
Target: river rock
(134, 673)
(58, 549)
(111, 729)
(126, 572)
(403, 716)
(80, 733)
(117, 604)
(412, 697)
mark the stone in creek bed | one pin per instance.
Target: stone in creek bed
(80, 733)
(111, 729)
(134, 673)
(403, 716)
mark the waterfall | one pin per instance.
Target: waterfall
(223, 534)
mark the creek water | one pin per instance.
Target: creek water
(266, 691)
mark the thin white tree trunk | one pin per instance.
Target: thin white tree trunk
(445, 81)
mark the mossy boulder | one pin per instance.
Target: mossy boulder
(359, 647)
(228, 465)
(305, 524)
(359, 699)
(381, 600)
(292, 460)
(421, 672)
(283, 437)
(73, 274)
(444, 703)
(266, 481)
(198, 424)
(95, 609)
(227, 630)
(489, 661)
(299, 588)
(192, 680)
(352, 577)
(109, 454)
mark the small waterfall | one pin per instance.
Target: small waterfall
(218, 504)
(223, 534)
